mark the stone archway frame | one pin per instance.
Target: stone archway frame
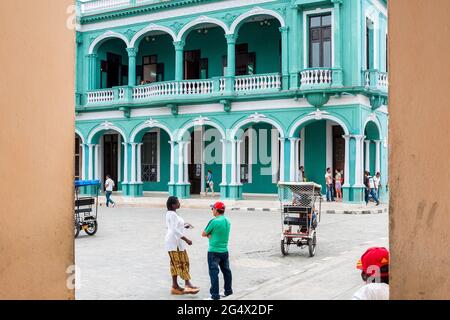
(373, 118)
(105, 36)
(256, 118)
(78, 132)
(149, 124)
(151, 27)
(257, 11)
(104, 127)
(317, 116)
(200, 121)
(182, 34)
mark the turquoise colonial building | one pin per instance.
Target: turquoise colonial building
(251, 90)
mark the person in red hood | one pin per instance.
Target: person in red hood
(374, 266)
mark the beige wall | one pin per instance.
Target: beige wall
(36, 149)
(420, 148)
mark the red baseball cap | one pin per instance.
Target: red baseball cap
(376, 256)
(218, 206)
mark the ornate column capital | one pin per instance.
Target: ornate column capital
(358, 137)
(231, 38)
(179, 45)
(284, 29)
(336, 2)
(132, 52)
(346, 136)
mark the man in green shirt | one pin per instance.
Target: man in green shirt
(218, 232)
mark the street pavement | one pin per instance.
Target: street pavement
(126, 259)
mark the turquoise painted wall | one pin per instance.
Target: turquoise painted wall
(164, 49)
(212, 138)
(315, 152)
(165, 167)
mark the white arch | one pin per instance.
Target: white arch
(373, 118)
(148, 125)
(106, 126)
(200, 121)
(256, 12)
(256, 118)
(78, 132)
(200, 20)
(107, 35)
(149, 28)
(317, 117)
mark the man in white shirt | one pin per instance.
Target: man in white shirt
(109, 187)
(374, 264)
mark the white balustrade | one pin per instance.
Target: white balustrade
(176, 88)
(121, 94)
(382, 80)
(100, 5)
(367, 78)
(100, 96)
(316, 77)
(257, 82)
(222, 84)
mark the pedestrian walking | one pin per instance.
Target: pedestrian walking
(338, 185)
(374, 266)
(370, 188)
(218, 233)
(377, 183)
(109, 187)
(329, 183)
(175, 245)
(209, 183)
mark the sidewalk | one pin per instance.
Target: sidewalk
(250, 203)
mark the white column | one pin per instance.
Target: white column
(238, 161)
(91, 162)
(359, 161)
(172, 162)
(251, 149)
(302, 147)
(202, 159)
(83, 161)
(367, 142)
(139, 163)
(275, 143)
(233, 162)
(186, 162)
(377, 156)
(224, 162)
(180, 161)
(347, 161)
(133, 163)
(125, 162)
(329, 144)
(281, 159)
(97, 163)
(293, 163)
(297, 159)
(119, 158)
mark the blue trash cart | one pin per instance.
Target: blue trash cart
(86, 208)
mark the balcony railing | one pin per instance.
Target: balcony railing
(376, 79)
(93, 6)
(257, 83)
(316, 77)
(219, 86)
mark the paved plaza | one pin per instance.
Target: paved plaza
(126, 259)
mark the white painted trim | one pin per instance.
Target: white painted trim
(224, 162)
(78, 132)
(119, 159)
(200, 122)
(133, 163)
(347, 162)
(306, 37)
(202, 160)
(374, 17)
(150, 124)
(107, 35)
(200, 20)
(173, 13)
(125, 162)
(256, 11)
(381, 7)
(302, 148)
(281, 159)
(139, 163)
(303, 120)
(251, 119)
(91, 162)
(151, 27)
(104, 127)
(172, 162)
(251, 133)
(99, 115)
(239, 162)
(367, 166)
(373, 118)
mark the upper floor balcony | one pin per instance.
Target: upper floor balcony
(205, 59)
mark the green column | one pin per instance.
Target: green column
(337, 68)
(294, 49)
(92, 74)
(132, 52)
(179, 52)
(284, 58)
(231, 62)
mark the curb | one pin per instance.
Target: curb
(350, 212)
